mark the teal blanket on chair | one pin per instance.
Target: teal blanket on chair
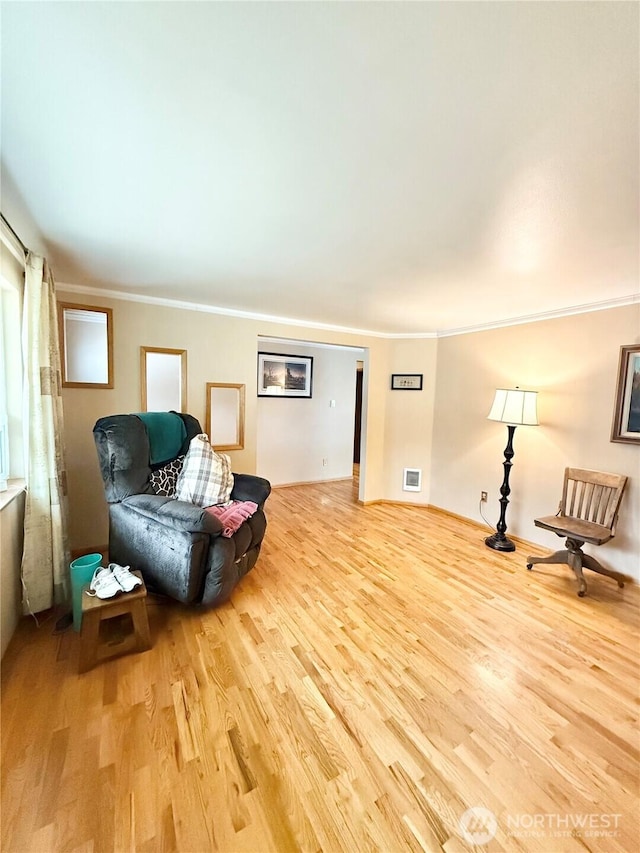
(167, 432)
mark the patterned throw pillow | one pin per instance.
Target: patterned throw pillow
(206, 478)
(164, 480)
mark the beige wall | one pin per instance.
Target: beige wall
(573, 363)
(409, 419)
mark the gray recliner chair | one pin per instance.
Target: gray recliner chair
(178, 546)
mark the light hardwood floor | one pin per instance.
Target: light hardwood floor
(377, 674)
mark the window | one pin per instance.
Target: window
(4, 439)
(11, 291)
(4, 457)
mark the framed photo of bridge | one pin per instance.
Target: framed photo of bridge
(282, 375)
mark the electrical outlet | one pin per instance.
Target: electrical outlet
(483, 497)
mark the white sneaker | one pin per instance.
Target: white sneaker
(104, 584)
(124, 577)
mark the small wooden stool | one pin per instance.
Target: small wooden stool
(96, 611)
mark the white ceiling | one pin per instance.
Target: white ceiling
(395, 167)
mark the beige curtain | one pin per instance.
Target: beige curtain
(45, 559)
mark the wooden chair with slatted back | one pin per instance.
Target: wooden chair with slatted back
(588, 512)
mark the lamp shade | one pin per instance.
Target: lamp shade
(513, 406)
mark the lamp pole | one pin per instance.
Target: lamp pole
(499, 541)
(512, 407)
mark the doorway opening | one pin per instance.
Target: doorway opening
(357, 426)
(314, 439)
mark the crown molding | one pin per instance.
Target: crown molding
(328, 327)
(213, 309)
(267, 340)
(587, 308)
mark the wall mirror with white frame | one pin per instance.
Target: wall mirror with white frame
(86, 345)
(163, 379)
(225, 415)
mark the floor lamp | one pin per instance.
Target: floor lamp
(512, 407)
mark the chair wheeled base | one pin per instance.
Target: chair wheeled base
(573, 556)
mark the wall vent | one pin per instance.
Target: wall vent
(412, 480)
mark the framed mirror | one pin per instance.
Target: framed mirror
(163, 379)
(86, 345)
(225, 415)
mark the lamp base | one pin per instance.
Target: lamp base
(500, 542)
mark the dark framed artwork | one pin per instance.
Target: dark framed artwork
(626, 416)
(281, 375)
(406, 381)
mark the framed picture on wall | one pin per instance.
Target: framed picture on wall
(626, 416)
(225, 415)
(282, 375)
(406, 381)
(163, 379)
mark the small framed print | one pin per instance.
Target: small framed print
(406, 381)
